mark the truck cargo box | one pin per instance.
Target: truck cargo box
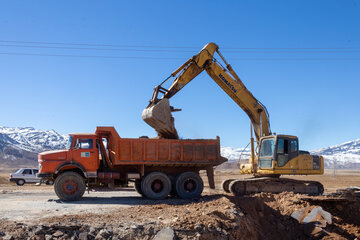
(125, 151)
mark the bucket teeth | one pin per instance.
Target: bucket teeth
(159, 117)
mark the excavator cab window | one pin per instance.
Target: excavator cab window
(287, 149)
(266, 153)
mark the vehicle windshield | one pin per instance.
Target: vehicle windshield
(18, 171)
(68, 144)
(267, 148)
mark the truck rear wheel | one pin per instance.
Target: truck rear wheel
(189, 185)
(137, 185)
(156, 185)
(69, 186)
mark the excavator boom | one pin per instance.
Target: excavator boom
(158, 113)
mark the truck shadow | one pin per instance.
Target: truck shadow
(136, 200)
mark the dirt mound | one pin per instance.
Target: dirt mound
(261, 216)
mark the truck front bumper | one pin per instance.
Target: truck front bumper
(44, 175)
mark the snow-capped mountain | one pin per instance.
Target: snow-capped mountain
(345, 155)
(19, 145)
(235, 154)
(31, 139)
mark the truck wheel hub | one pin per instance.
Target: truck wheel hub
(189, 185)
(157, 186)
(70, 187)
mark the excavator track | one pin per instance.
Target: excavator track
(272, 185)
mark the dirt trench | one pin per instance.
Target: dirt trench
(261, 216)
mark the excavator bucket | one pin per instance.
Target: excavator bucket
(159, 117)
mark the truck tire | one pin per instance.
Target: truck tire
(156, 185)
(69, 186)
(20, 182)
(137, 185)
(189, 185)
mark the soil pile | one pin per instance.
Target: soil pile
(261, 216)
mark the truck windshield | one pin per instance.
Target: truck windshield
(267, 148)
(68, 144)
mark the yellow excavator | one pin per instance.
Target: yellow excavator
(274, 155)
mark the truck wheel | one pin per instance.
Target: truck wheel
(69, 186)
(156, 185)
(138, 187)
(20, 182)
(189, 185)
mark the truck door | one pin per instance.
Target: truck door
(86, 154)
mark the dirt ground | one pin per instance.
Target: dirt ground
(31, 212)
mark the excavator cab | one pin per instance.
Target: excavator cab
(277, 151)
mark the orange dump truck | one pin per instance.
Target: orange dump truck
(158, 167)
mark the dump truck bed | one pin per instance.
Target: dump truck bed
(128, 151)
(165, 151)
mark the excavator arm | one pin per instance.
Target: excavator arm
(158, 113)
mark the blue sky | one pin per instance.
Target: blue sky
(300, 58)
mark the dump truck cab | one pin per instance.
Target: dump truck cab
(81, 153)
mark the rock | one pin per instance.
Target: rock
(58, 233)
(92, 230)
(8, 237)
(198, 227)
(2, 234)
(103, 233)
(48, 237)
(39, 230)
(83, 236)
(317, 215)
(165, 234)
